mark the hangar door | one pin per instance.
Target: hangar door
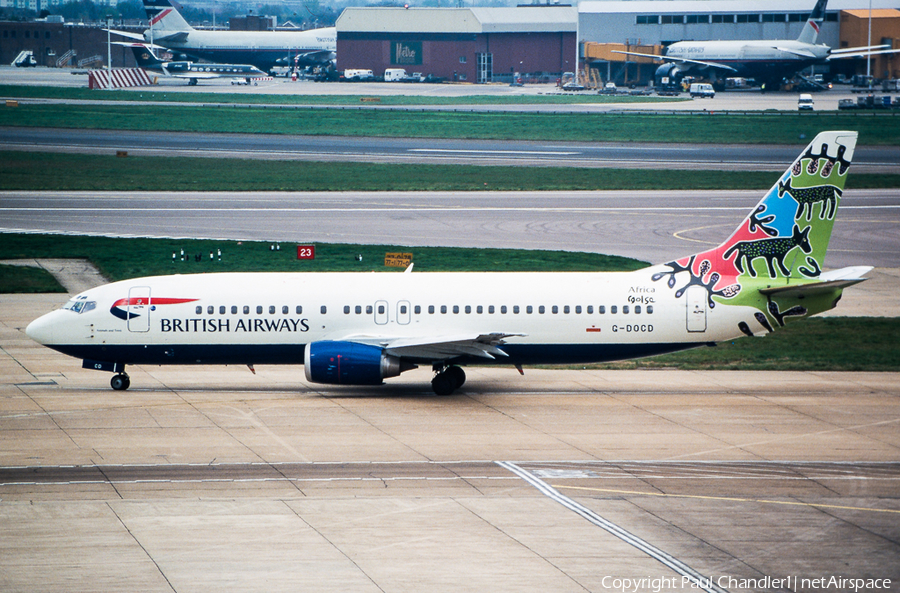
(485, 68)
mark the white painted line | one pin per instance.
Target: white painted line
(702, 582)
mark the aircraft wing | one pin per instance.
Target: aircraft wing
(199, 75)
(861, 53)
(678, 60)
(141, 44)
(439, 348)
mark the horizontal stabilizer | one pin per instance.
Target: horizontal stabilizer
(828, 281)
(135, 36)
(177, 37)
(801, 53)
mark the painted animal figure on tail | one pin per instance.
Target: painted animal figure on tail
(827, 195)
(774, 250)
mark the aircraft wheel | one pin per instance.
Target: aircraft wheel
(120, 382)
(457, 375)
(443, 384)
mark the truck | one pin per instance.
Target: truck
(358, 75)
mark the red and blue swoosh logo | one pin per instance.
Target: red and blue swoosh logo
(120, 307)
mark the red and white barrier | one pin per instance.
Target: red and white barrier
(118, 78)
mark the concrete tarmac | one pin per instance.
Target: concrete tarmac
(215, 479)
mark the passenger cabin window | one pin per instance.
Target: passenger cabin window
(271, 309)
(221, 309)
(613, 310)
(323, 309)
(284, 309)
(259, 309)
(246, 309)
(234, 309)
(199, 309)
(299, 310)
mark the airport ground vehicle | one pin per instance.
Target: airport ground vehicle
(703, 90)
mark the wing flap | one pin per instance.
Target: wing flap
(440, 347)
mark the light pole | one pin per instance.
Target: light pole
(108, 42)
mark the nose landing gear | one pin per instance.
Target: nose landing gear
(448, 379)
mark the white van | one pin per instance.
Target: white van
(805, 102)
(702, 90)
(395, 75)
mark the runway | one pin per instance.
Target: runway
(215, 479)
(653, 226)
(867, 159)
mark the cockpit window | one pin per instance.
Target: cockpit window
(79, 305)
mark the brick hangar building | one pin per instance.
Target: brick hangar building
(460, 44)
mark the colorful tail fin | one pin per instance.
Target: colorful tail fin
(787, 234)
(810, 31)
(780, 247)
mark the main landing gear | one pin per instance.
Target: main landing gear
(120, 382)
(447, 379)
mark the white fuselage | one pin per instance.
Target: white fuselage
(263, 49)
(264, 318)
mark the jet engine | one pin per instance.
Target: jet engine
(668, 75)
(350, 363)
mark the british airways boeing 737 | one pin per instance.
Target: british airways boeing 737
(362, 328)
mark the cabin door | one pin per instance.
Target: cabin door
(696, 308)
(139, 309)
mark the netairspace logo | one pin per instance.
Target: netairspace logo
(837, 583)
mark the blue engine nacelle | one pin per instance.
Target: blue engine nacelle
(350, 363)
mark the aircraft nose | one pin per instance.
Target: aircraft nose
(41, 329)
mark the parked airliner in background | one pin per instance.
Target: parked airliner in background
(361, 328)
(191, 71)
(263, 49)
(767, 61)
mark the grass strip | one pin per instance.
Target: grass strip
(763, 128)
(74, 172)
(27, 280)
(119, 259)
(817, 344)
(160, 94)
